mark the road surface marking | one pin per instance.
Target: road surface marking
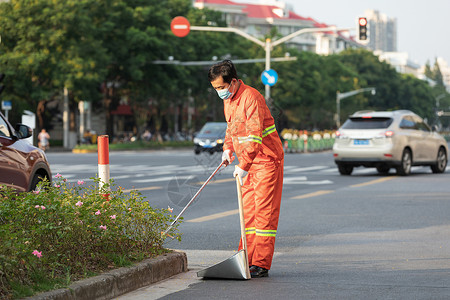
(143, 189)
(314, 194)
(219, 181)
(374, 181)
(215, 216)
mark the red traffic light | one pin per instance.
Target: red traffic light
(362, 21)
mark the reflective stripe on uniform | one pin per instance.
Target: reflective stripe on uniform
(269, 130)
(250, 138)
(261, 232)
(255, 138)
(251, 230)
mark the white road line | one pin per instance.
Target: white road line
(305, 169)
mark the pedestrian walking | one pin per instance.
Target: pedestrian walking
(43, 139)
(252, 136)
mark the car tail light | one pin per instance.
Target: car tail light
(338, 134)
(389, 133)
(335, 155)
(388, 155)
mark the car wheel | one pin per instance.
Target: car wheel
(405, 166)
(197, 152)
(34, 182)
(383, 169)
(345, 169)
(441, 162)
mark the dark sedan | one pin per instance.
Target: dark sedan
(210, 138)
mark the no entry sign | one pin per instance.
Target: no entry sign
(180, 26)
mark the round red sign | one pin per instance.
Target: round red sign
(180, 26)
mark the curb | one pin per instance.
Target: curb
(120, 281)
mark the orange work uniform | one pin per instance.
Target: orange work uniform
(252, 135)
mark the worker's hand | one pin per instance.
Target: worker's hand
(226, 157)
(240, 173)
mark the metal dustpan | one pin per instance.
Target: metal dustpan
(235, 267)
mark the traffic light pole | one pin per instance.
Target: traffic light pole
(340, 96)
(268, 45)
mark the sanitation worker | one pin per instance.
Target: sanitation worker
(252, 136)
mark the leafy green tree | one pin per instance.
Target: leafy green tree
(48, 45)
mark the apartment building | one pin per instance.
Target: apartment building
(382, 31)
(259, 19)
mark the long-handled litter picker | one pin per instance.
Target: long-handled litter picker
(193, 198)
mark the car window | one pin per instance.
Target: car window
(214, 128)
(407, 123)
(4, 128)
(367, 123)
(422, 126)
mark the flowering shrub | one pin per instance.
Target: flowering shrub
(70, 230)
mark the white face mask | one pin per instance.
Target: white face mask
(225, 93)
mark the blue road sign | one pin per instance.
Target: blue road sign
(269, 77)
(6, 105)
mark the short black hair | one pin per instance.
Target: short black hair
(225, 69)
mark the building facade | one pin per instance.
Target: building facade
(259, 20)
(382, 31)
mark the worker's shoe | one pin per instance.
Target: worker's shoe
(257, 272)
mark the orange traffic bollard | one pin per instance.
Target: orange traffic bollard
(103, 160)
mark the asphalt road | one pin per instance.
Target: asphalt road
(339, 237)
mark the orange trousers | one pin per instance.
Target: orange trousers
(261, 195)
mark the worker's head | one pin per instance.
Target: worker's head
(222, 76)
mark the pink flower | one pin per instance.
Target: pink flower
(98, 213)
(36, 192)
(79, 203)
(42, 206)
(169, 209)
(113, 217)
(58, 175)
(103, 227)
(37, 206)
(57, 185)
(37, 253)
(80, 182)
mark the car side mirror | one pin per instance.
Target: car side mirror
(23, 131)
(434, 128)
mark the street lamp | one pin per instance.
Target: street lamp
(268, 44)
(340, 96)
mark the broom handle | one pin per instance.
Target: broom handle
(242, 221)
(193, 198)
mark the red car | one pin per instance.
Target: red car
(22, 165)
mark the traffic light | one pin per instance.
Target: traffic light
(362, 23)
(2, 87)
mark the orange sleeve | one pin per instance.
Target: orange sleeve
(228, 143)
(253, 127)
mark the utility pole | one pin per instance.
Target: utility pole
(66, 119)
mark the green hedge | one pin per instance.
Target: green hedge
(63, 232)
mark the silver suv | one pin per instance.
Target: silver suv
(388, 139)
